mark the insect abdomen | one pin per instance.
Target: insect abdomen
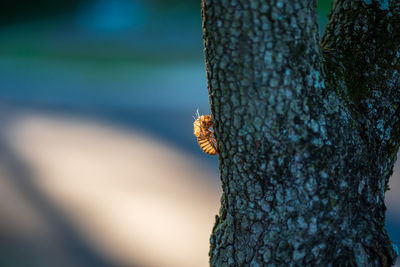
(207, 146)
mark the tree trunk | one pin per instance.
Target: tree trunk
(307, 133)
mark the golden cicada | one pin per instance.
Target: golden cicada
(205, 136)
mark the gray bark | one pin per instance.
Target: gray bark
(307, 134)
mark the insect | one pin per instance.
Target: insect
(205, 138)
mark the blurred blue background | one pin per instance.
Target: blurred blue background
(98, 163)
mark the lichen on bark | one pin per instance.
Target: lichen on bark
(307, 133)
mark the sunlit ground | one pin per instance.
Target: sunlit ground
(129, 197)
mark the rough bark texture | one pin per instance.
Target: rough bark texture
(307, 134)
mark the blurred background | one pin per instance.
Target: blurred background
(98, 163)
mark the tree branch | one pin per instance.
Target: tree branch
(362, 51)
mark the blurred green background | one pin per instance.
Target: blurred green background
(98, 164)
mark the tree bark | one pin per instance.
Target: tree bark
(307, 133)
